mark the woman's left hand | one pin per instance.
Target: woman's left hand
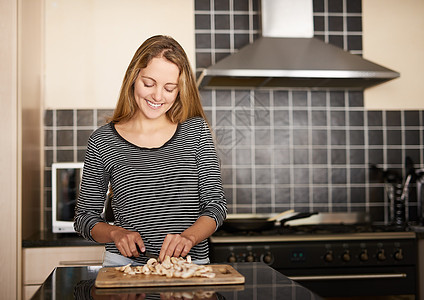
(180, 244)
(176, 245)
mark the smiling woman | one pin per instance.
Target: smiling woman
(155, 92)
(158, 158)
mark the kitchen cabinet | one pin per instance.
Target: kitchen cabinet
(76, 23)
(396, 46)
(10, 200)
(21, 82)
(39, 262)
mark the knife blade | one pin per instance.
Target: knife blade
(147, 253)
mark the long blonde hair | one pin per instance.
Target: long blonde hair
(187, 103)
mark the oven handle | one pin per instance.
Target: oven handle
(348, 276)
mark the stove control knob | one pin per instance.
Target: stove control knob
(267, 258)
(381, 256)
(328, 257)
(398, 254)
(346, 256)
(232, 258)
(250, 257)
(364, 255)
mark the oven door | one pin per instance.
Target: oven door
(353, 282)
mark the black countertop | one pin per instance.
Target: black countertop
(261, 282)
(50, 239)
(419, 230)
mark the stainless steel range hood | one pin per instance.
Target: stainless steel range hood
(287, 55)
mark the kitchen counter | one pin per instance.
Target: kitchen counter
(262, 282)
(419, 230)
(50, 239)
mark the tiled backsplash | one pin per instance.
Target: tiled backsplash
(309, 150)
(305, 149)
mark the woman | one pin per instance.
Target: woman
(158, 158)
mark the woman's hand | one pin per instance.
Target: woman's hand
(176, 245)
(180, 244)
(127, 241)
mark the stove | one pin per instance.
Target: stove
(333, 260)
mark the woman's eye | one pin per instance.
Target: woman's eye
(169, 90)
(148, 85)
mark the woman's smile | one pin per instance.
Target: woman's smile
(154, 105)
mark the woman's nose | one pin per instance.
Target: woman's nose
(157, 94)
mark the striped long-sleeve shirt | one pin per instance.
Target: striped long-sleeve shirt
(156, 191)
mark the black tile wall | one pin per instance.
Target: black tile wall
(310, 150)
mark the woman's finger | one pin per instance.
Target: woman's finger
(164, 247)
(133, 249)
(135, 243)
(124, 248)
(186, 249)
(175, 245)
(186, 246)
(174, 248)
(126, 241)
(140, 246)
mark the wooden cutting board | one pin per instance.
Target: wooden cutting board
(110, 277)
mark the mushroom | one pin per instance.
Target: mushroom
(152, 261)
(167, 262)
(187, 273)
(122, 268)
(146, 270)
(170, 267)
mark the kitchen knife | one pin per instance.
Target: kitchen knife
(146, 253)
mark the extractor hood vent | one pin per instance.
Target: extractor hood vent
(294, 60)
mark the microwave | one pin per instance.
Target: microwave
(66, 182)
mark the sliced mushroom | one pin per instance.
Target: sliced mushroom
(152, 261)
(167, 262)
(170, 267)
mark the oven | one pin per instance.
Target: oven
(342, 260)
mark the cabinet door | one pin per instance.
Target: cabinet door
(29, 291)
(38, 263)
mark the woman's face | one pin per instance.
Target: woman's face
(156, 88)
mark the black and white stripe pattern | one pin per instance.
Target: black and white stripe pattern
(156, 191)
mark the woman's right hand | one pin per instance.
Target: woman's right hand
(127, 241)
